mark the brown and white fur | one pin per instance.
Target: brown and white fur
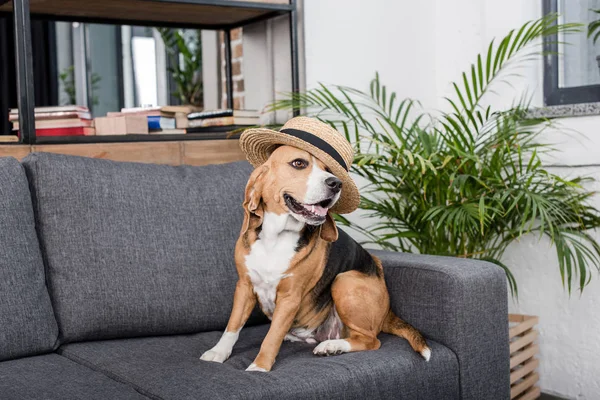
(315, 284)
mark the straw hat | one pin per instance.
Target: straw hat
(317, 138)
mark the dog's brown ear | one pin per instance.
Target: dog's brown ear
(329, 230)
(253, 208)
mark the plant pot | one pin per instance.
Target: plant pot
(523, 364)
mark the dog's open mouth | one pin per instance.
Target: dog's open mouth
(313, 212)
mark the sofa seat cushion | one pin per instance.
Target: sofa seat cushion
(137, 249)
(27, 323)
(169, 367)
(53, 377)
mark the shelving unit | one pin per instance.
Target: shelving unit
(136, 138)
(222, 15)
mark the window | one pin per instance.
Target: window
(108, 67)
(572, 67)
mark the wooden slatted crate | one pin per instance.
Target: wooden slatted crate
(523, 364)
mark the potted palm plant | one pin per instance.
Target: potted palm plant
(467, 182)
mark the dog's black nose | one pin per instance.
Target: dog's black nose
(334, 184)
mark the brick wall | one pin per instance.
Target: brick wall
(237, 59)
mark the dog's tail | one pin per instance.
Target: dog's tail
(395, 326)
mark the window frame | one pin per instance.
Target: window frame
(554, 95)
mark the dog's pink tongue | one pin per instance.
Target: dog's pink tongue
(316, 209)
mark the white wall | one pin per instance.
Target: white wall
(347, 42)
(418, 49)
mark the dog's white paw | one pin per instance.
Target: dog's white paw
(253, 367)
(426, 353)
(291, 338)
(331, 347)
(215, 355)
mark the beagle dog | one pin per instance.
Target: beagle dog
(315, 283)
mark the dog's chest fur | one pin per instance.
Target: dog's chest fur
(270, 256)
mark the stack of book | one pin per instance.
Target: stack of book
(145, 120)
(180, 114)
(173, 120)
(58, 121)
(224, 119)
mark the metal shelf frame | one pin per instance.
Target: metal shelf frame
(24, 56)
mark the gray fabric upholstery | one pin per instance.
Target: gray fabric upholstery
(27, 324)
(463, 305)
(169, 368)
(53, 377)
(137, 249)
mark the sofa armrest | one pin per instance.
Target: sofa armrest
(462, 304)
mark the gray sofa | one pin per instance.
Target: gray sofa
(116, 277)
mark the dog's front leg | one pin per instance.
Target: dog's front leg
(244, 301)
(286, 308)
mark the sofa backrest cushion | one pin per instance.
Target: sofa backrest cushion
(27, 323)
(137, 249)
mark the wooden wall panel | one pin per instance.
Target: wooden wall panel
(203, 152)
(16, 151)
(145, 152)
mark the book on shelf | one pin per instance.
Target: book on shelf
(216, 129)
(210, 114)
(9, 138)
(55, 109)
(121, 125)
(181, 120)
(168, 132)
(224, 121)
(156, 122)
(156, 119)
(224, 113)
(55, 115)
(69, 120)
(141, 110)
(71, 131)
(167, 111)
(180, 113)
(57, 123)
(184, 109)
(148, 113)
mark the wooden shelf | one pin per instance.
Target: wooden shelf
(135, 138)
(201, 14)
(208, 14)
(176, 152)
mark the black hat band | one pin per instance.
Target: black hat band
(318, 143)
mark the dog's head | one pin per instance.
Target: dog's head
(295, 182)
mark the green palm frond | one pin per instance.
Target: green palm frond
(467, 182)
(186, 57)
(594, 28)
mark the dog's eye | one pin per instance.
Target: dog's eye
(299, 163)
(328, 170)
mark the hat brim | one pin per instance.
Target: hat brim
(258, 144)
